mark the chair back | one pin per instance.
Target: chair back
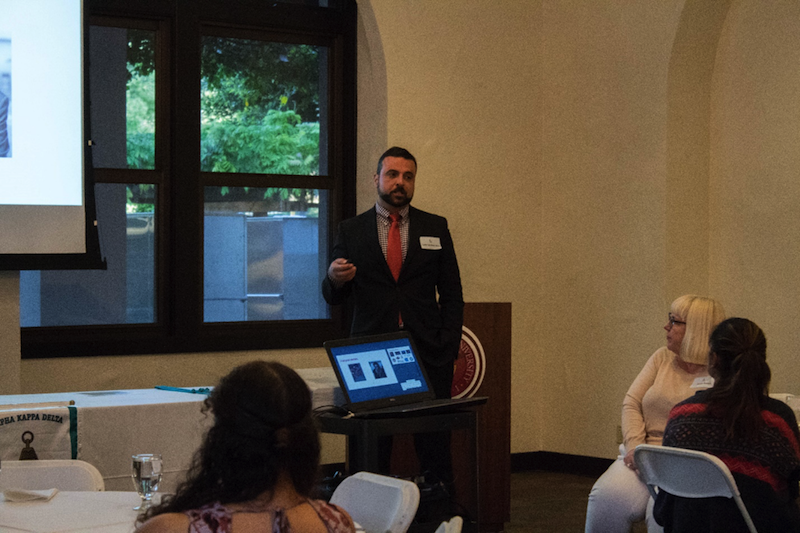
(66, 474)
(688, 474)
(378, 503)
(453, 525)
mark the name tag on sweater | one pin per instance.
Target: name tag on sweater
(705, 382)
(430, 243)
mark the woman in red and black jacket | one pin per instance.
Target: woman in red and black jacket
(754, 435)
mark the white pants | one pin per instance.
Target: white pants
(617, 500)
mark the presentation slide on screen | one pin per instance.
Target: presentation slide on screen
(41, 118)
(41, 127)
(367, 369)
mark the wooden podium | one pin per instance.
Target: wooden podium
(488, 332)
(491, 325)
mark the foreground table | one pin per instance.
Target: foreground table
(111, 512)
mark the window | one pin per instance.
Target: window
(262, 257)
(261, 113)
(122, 93)
(222, 162)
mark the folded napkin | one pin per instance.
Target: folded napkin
(21, 495)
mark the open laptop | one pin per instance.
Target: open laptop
(382, 376)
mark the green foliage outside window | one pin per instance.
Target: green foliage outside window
(274, 143)
(238, 74)
(140, 198)
(140, 117)
(259, 113)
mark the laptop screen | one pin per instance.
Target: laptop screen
(382, 367)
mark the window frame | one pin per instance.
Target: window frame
(179, 26)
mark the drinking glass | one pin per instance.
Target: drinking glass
(146, 475)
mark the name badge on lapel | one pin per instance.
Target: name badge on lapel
(704, 382)
(430, 243)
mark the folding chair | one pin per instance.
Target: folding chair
(377, 503)
(66, 474)
(453, 525)
(688, 474)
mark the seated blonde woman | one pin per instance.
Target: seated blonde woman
(257, 465)
(673, 373)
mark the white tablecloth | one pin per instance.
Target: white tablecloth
(110, 512)
(113, 425)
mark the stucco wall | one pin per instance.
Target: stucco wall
(755, 176)
(595, 161)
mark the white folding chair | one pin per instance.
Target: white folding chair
(453, 525)
(378, 503)
(688, 474)
(66, 474)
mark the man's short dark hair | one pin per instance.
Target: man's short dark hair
(396, 151)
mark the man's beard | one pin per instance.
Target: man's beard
(391, 200)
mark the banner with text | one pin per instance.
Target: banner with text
(44, 433)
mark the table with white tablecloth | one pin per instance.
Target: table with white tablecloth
(110, 512)
(113, 425)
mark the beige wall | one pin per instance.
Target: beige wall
(595, 161)
(755, 176)
(603, 271)
(463, 93)
(9, 333)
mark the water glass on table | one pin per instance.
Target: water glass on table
(146, 475)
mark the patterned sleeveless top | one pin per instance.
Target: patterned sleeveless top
(216, 518)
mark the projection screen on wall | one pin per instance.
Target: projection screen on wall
(42, 141)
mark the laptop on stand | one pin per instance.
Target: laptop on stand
(382, 376)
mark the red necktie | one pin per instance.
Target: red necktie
(394, 250)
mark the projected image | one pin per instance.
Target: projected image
(42, 39)
(42, 144)
(5, 95)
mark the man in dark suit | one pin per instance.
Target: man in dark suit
(382, 303)
(4, 145)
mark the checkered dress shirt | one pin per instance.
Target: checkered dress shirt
(384, 222)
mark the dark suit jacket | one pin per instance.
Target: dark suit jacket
(377, 297)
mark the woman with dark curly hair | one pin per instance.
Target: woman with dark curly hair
(754, 435)
(257, 465)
